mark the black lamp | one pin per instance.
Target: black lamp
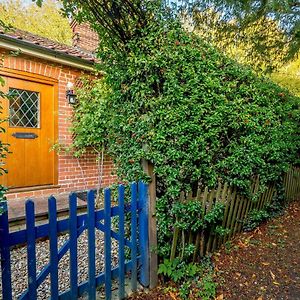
(70, 94)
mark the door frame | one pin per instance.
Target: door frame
(48, 81)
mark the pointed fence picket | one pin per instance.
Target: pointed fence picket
(75, 225)
(236, 212)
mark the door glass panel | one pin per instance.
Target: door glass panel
(24, 108)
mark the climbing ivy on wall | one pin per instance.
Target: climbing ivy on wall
(3, 146)
(194, 113)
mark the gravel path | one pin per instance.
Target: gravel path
(19, 264)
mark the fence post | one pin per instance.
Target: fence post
(148, 169)
(5, 253)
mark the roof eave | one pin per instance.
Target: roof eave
(30, 49)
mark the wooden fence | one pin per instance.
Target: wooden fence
(291, 184)
(236, 211)
(137, 244)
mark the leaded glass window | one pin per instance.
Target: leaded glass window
(24, 108)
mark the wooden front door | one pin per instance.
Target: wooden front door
(29, 133)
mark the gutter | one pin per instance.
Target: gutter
(38, 51)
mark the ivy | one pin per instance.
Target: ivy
(216, 214)
(271, 210)
(3, 148)
(188, 215)
(198, 116)
(90, 118)
(194, 281)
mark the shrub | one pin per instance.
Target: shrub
(194, 281)
(195, 114)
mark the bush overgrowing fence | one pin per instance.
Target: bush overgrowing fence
(223, 214)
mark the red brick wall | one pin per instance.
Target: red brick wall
(84, 37)
(73, 174)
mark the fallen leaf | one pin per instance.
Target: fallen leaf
(272, 275)
(220, 297)
(276, 283)
(265, 263)
(243, 245)
(172, 296)
(260, 298)
(257, 230)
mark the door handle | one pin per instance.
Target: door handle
(25, 135)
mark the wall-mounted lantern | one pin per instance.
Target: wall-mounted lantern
(71, 97)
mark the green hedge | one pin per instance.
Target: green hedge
(173, 99)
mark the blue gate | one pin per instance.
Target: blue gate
(134, 262)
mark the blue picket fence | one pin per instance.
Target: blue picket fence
(138, 243)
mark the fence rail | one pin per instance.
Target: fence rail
(75, 225)
(236, 211)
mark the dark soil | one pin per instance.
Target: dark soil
(158, 293)
(260, 265)
(264, 264)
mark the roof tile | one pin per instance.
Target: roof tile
(34, 39)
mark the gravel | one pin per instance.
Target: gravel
(19, 264)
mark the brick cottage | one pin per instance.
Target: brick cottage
(38, 72)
